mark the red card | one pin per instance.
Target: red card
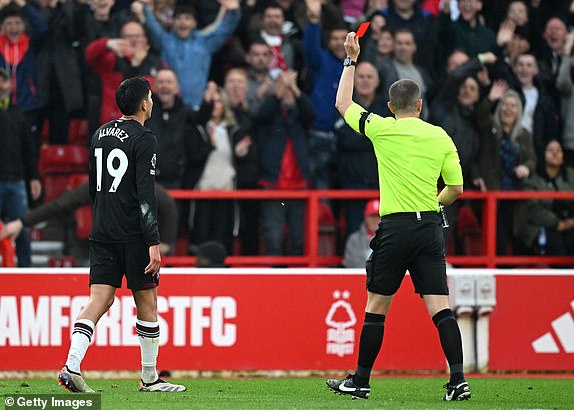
(362, 29)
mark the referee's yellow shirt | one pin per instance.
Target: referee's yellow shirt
(411, 154)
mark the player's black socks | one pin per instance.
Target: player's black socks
(451, 342)
(369, 346)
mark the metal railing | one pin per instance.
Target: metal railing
(311, 258)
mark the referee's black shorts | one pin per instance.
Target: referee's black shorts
(410, 241)
(109, 262)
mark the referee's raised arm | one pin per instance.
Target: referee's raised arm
(346, 83)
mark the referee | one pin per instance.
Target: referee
(411, 155)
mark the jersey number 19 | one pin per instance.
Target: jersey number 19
(116, 172)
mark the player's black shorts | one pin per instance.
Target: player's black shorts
(405, 241)
(110, 261)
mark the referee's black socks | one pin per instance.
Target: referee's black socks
(369, 347)
(451, 342)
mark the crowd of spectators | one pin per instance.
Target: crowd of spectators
(245, 91)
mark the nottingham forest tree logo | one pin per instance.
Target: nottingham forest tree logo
(341, 319)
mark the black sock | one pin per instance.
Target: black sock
(369, 346)
(451, 343)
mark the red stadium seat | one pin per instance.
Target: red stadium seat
(467, 220)
(469, 231)
(7, 252)
(45, 131)
(83, 215)
(57, 162)
(54, 186)
(78, 133)
(327, 231)
(63, 159)
(76, 180)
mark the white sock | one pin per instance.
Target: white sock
(148, 335)
(81, 338)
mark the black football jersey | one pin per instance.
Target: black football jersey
(122, 179)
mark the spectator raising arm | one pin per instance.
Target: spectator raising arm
(158, 33)
(215, 38)
(312, 48)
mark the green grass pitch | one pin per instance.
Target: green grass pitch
(312, 393)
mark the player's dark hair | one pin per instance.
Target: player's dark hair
(131, 93)
(404, 95)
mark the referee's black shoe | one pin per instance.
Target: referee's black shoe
(348, 386)
(459, 391)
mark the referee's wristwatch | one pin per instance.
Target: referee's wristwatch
(348, 62)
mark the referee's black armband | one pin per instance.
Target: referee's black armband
(364, 116)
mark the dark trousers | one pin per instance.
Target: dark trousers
(213, 221)
(57, 115)
(569, 157)
(322, 158)
(249, 213)
(275, 214)
(504, 226)
(33, 120)
(452, 230)
(249, 227)
(559, 243)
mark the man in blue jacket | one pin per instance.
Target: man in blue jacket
(188, 51)
(325, 69)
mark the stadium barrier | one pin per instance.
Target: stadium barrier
(311, 258)
(282, 319)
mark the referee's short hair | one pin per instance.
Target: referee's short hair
(131, 93)
(404, 95)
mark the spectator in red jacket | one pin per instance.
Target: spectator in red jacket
(115, 59)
